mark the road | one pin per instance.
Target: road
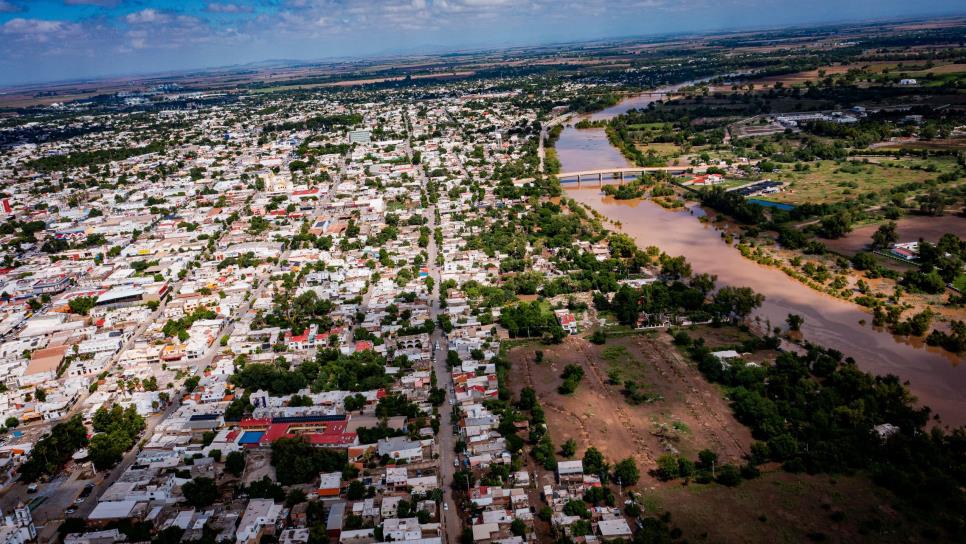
(444, 379)
(449, 516)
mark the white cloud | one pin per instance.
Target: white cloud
(36, 30)
(147, 15)
(219, 7)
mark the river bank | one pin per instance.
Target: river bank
(935, 376)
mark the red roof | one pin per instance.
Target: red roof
(255, 422)
(363, 345)
(319, 439)
(305, 192)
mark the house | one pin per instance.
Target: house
(613, 529)
(396, 529)
(570, 471)
(18, 528)
(726, 356)
(567, 320)
(294, 536)
(908, 251)
(259, 518)
(330, 484)
(400, 447)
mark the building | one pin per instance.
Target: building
(361, 136)
(613, 529)
(18, 528)
(330, 484)
(570, 471)
(400, 447)
(259, 519)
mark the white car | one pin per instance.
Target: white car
(446, 506)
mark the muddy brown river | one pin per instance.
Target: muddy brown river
(935, 376)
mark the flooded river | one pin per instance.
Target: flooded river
(934, 375)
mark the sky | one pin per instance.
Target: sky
(54, 40)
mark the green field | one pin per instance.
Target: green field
(831, 181)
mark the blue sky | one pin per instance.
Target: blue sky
(47, 40)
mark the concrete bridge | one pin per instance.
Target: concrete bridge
(614, 175)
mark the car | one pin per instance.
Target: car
(446, 506)
(79, 500)
(32, 488)
(70, 510)
(456, 462)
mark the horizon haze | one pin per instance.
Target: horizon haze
(60, 40)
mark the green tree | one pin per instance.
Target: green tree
(794, 321)
(593, 461)
(356, 490)
(235, 463)
(885, 236)
(298, 462)
(667, 467)
(200, 492)
(736, 302)
(569, 448)
(81, 305)
(626, 472)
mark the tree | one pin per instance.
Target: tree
(528, 399)
(572, 375)
(626, 472)
(593, 461)
(736, 303)
(11, 422)
(117, 430)
(728, 475)
(200, 492)
(81, 305)
(569, 448)
(836, 225)
(518, 528)
(885, 236)
(667, 467)
(52, 451)
(354, 403)
(235, 463)
(932, 203)
(356, 490)
(298, 462)
(795, 322)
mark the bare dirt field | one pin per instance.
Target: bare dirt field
(910, 228)
(687, 414)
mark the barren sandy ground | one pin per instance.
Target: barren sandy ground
(689, 415)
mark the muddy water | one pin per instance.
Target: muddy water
(934, 375)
